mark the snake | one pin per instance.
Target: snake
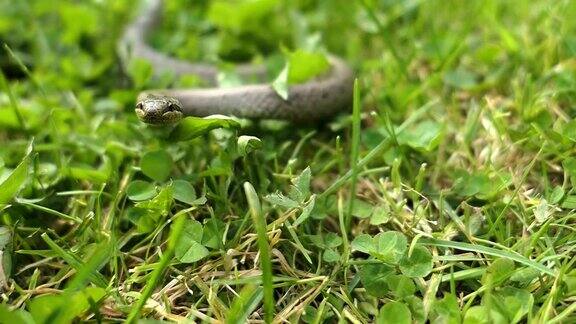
(318, 99)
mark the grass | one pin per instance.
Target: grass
(445, 195)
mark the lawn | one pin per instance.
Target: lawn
(445, 194)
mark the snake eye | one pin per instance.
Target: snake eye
(139, 105)
(172, 107)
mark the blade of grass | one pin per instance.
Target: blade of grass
(50, 211)
(95, 277)
(487, 250)
(464, 274)
(355, 152)
(11, 185)
(102, 254)
(561, 318)
(243, 305)
(297, 242)
(516, 191)
(24, 69)
(175, 233)
(376, 151)
(13, 102)
(344, 231)
(320, 312)
(265, 262)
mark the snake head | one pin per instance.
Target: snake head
(159, 110)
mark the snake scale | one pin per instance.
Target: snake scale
(318, 99)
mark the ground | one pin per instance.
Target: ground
(446, 194)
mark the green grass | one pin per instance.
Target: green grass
(446, 195)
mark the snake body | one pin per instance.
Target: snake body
(317, 99)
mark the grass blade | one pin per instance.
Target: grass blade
(265, 263)
(24, 69)
(13, 102)
(175, 233)
(95, 277)
(101, 255)
(244, 304)
(376, 151)
(356, 107)
(10, 187)
(488, 250)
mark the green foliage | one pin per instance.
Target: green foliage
(498, 271)
(447, 196)
(244, 304)
(418, 263)
(140, 190)
(192, 127)
(238, 15)
(6, 254)
(461, 78)
(297, 198)
(149, 213)
(18, 316)
(303, 66)
(425, 136)
(12, 184)
(140, 71)
(394, 312)
(514, 303)
(401, 286)
(482, 185)
(300, 67)
(189, 248)
(446, 310)
(185, 192)
(264, 249)
(389, 247)
(248, 144)
(157, 165)
(375, 278)
(65, 307)
(483, 314)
